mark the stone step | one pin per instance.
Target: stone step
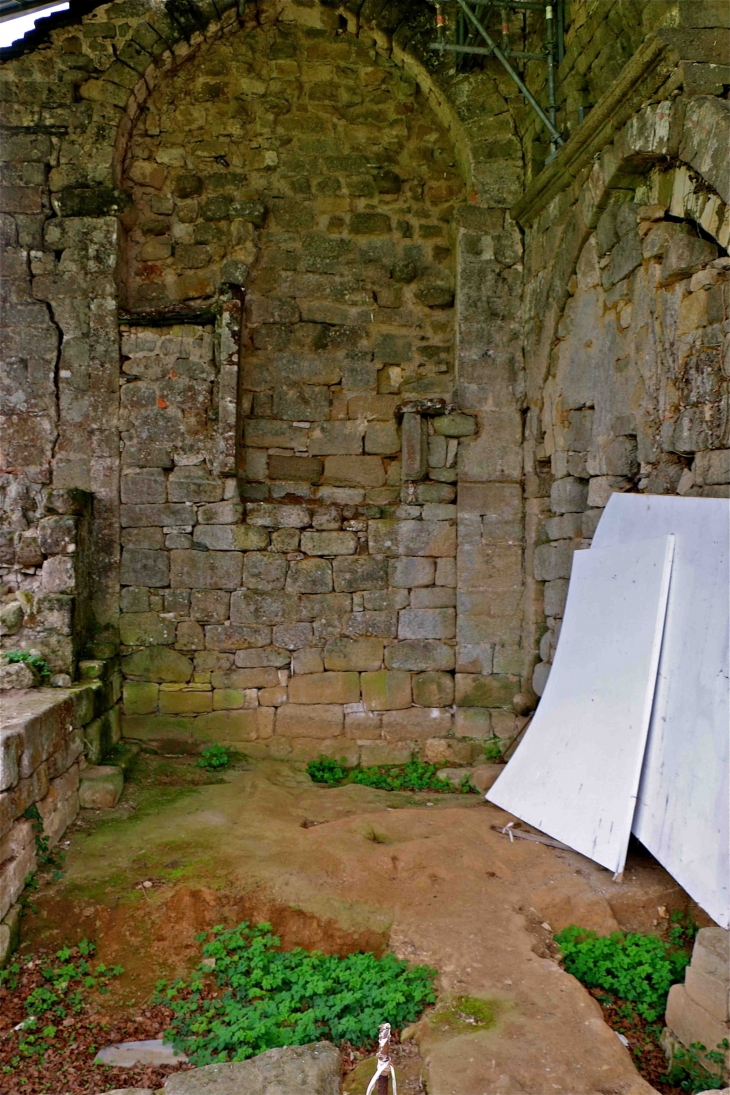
(691, 1022)
(100, 786)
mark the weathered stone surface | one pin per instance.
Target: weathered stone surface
(324, 688)
(140, 698)
(249, 607)
(427, 623)
(329, 543)
(158, 663)
(278, 516)
(420, 654)
(433, 689)
(309, 576)
(144, 568)
(474, 690)
(354, 471)
(361, 572)
(353, 654)
(386, 690)
(569, 495)
(392, 538)
(416, 724)
(309, 720)
(484, 776)
(151, 1051)
(409, 572)
(231, 537)
(205, 569)
(100, 786)
(454, 425)
(264, 571)
(473, 722)
(314, 1068)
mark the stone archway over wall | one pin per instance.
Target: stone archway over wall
(628, 375)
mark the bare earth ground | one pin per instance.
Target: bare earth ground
(354, 868)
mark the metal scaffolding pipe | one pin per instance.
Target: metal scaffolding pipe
(497, 52)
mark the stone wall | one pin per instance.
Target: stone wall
(628, 378)
(44, 739)
(45, 580)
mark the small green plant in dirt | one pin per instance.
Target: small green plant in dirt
(682, 930)
(36, 662)
(326, 770)
(692, 1069)
(493, 750)
(45, 857)
(267, 998)
(62, 993)
(417, 775)
(214, 758)
(637, 968)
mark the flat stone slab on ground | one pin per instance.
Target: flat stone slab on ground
(129, 1091)
(152, 1051)
(313, 1069)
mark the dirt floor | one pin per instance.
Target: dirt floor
(354, 868)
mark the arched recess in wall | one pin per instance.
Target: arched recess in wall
(305, 171)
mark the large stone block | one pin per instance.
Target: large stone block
(250, 607)
(433, 689)
(711, 467)
(554, 560)
(475, 690)
(498, 504)
(320, 606)
(157, 663)
(427, 623)
(210, 606)
(325, 688)
(141, 567)
(231, 537)
(711, 953)
(305, 402)
(414, 434)
(354, 471)
(420, 655)
(353, 654)
(144, 515)
(361, 572)
(139, 697)
(711, 993)
(194, 484)
(100, 787)
(684, 256)
(268, 433)
(386, 690)
(336, 438)
(473, 722)
(690, 1022)
(221, 513)
(309, 576)
(234, 637)
(304, 468)
(185, 702)
(146, 629)
(309, 720)
(433, 597)
(57, 534)
(205, 569)
(58, 574)
(271, 515)
(394, 538)
(379, 753)
(411, 571)
(375, 623)
(569, 495)
(256, 677)
(143, 485)
(264, 571)
(416, 724)
(329, 543)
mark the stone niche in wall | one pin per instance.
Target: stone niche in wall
(288, 494)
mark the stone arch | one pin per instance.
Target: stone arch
(627, 386)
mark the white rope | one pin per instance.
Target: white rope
(383, 1058)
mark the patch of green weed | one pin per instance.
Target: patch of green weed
(638, 968)
(417, 775)
(214, 758)
(37, 662)
(689, 1069)
(269, 998)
